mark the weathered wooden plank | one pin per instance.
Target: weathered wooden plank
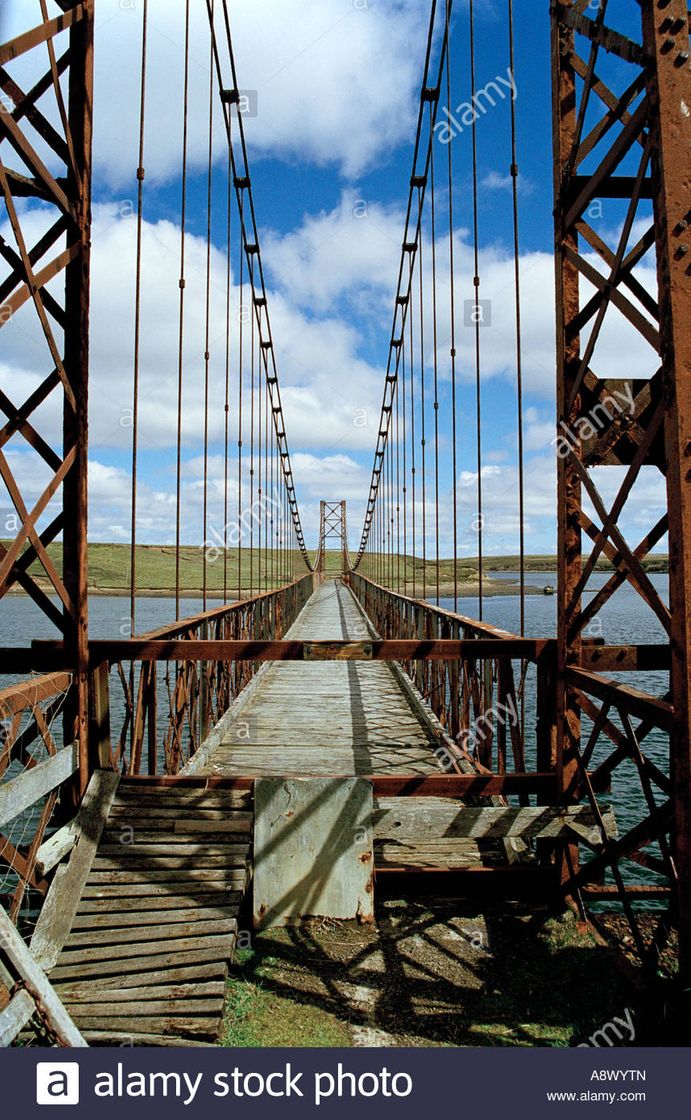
(138, 1038)
(174, 840)
(156, 831)
(172, 932)
(30, 970)
(157, 889)
(170, 797)
(234, 823)
(104, 907)
(165, 1024)
(61, 903)
(54, 850)
(171, 813)
(20, 793)
(15, 1016)
(176, 1006)
(456, 853)
(155, 847)
(185, 877)
(164, 952)
(199, 860)
(126, 967)
(205, 989)
(422, 819)
(151, 979)
(119, 917)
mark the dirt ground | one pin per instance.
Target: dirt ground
(431, 974)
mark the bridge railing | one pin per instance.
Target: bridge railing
(162, 710)
(34, 766)
(480, 701)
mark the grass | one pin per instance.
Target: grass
(256, 1015)
(109, 568)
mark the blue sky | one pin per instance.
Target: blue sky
(337, 84)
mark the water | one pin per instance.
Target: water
(109, 616)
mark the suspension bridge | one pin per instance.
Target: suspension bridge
(331, 732)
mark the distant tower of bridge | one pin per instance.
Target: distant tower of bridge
(333, 537)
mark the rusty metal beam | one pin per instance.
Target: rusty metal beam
(625, 658)
(45, 653)
(387, 785)
(649, 114)
(565, 137)
(666, 39)
(76, 363)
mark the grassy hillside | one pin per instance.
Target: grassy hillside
(109, 568)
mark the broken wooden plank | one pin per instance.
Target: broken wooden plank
(59, 845)
(20, 793)
(34, 977)
(63, 897)
(15, 1016)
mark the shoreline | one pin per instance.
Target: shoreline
(491, 588)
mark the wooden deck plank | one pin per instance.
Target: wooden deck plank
(123, 918)
(94, 908)
(147, 952)
(130, 940)
(76, 968)
(69, 993)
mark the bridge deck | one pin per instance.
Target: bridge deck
(324, 718)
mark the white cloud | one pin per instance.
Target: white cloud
(495, 181)
(336, 80)
(352, 250)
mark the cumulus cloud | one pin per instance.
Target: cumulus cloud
(316, 101)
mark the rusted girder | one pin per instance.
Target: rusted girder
(666, 40)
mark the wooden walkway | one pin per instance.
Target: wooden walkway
(324, 718)
(146, 957)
